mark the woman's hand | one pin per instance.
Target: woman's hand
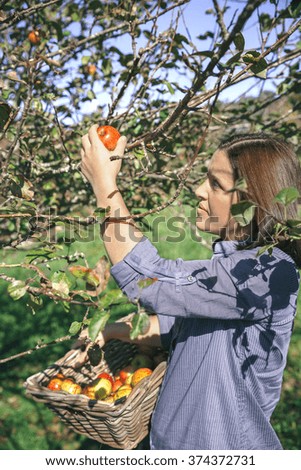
(96, 166)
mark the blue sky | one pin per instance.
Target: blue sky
(194, 23)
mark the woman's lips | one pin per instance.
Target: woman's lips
(202, 209)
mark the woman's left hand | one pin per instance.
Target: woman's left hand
(100, 171)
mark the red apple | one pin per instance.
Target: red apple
(126, 374)
(105, 375)
(116, 385)
(109, 136)
(55, 384)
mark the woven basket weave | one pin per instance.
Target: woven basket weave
(121, 426)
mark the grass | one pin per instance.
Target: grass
(25, 424)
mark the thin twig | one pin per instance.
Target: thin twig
(35, 348)
(20, 15)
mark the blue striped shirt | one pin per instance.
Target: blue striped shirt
(227, 324)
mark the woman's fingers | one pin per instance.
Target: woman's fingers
(86, 144)
(121, 145)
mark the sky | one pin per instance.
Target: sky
(194, 23)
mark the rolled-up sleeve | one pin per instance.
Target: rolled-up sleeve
(203, 288)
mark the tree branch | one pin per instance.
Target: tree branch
(35, 348)
(19, 15)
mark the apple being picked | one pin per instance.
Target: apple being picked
(142, 360)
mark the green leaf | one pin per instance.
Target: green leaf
(147, 282)
(75, 327)
(259, 68)
(241, 185)
(5, 111)
(22, 187)
(114, 296)
(264, 248)
(205, 53)
(239, 42)
(140, 325)
(92, 278)
(86, 59)
(97, 323)
(87, 274)
(78, 271)
(293, 223)
(91, 95)
(119, 311)
(169, 86)
(60, 284)
(259, 64)
(17, 289)
(251, 57)
(287, 196)
(234, 59)
(243, 212)
(295, 8)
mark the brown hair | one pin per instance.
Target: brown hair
(268, 165)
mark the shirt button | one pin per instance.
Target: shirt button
(190, 278)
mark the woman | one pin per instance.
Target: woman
(227, 321)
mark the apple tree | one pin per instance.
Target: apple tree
(137, 66)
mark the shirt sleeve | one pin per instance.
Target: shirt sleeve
(166, 324)
(234, 287)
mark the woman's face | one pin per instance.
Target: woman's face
(213, 212)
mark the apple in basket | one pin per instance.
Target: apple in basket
(109, 399)
(89, 391)
(70, 386)
(102, 388)
(55, 384)
(105, 375)
(116, 385)
(126, 374)
(140, 374)
(122, 392)
(142, 360)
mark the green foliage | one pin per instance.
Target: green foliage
(140, 324)
(243, 212)
(287, 196)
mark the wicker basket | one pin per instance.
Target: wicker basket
(121, 426)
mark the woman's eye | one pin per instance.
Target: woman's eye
(215, 183)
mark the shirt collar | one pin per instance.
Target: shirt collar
(227, 247)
